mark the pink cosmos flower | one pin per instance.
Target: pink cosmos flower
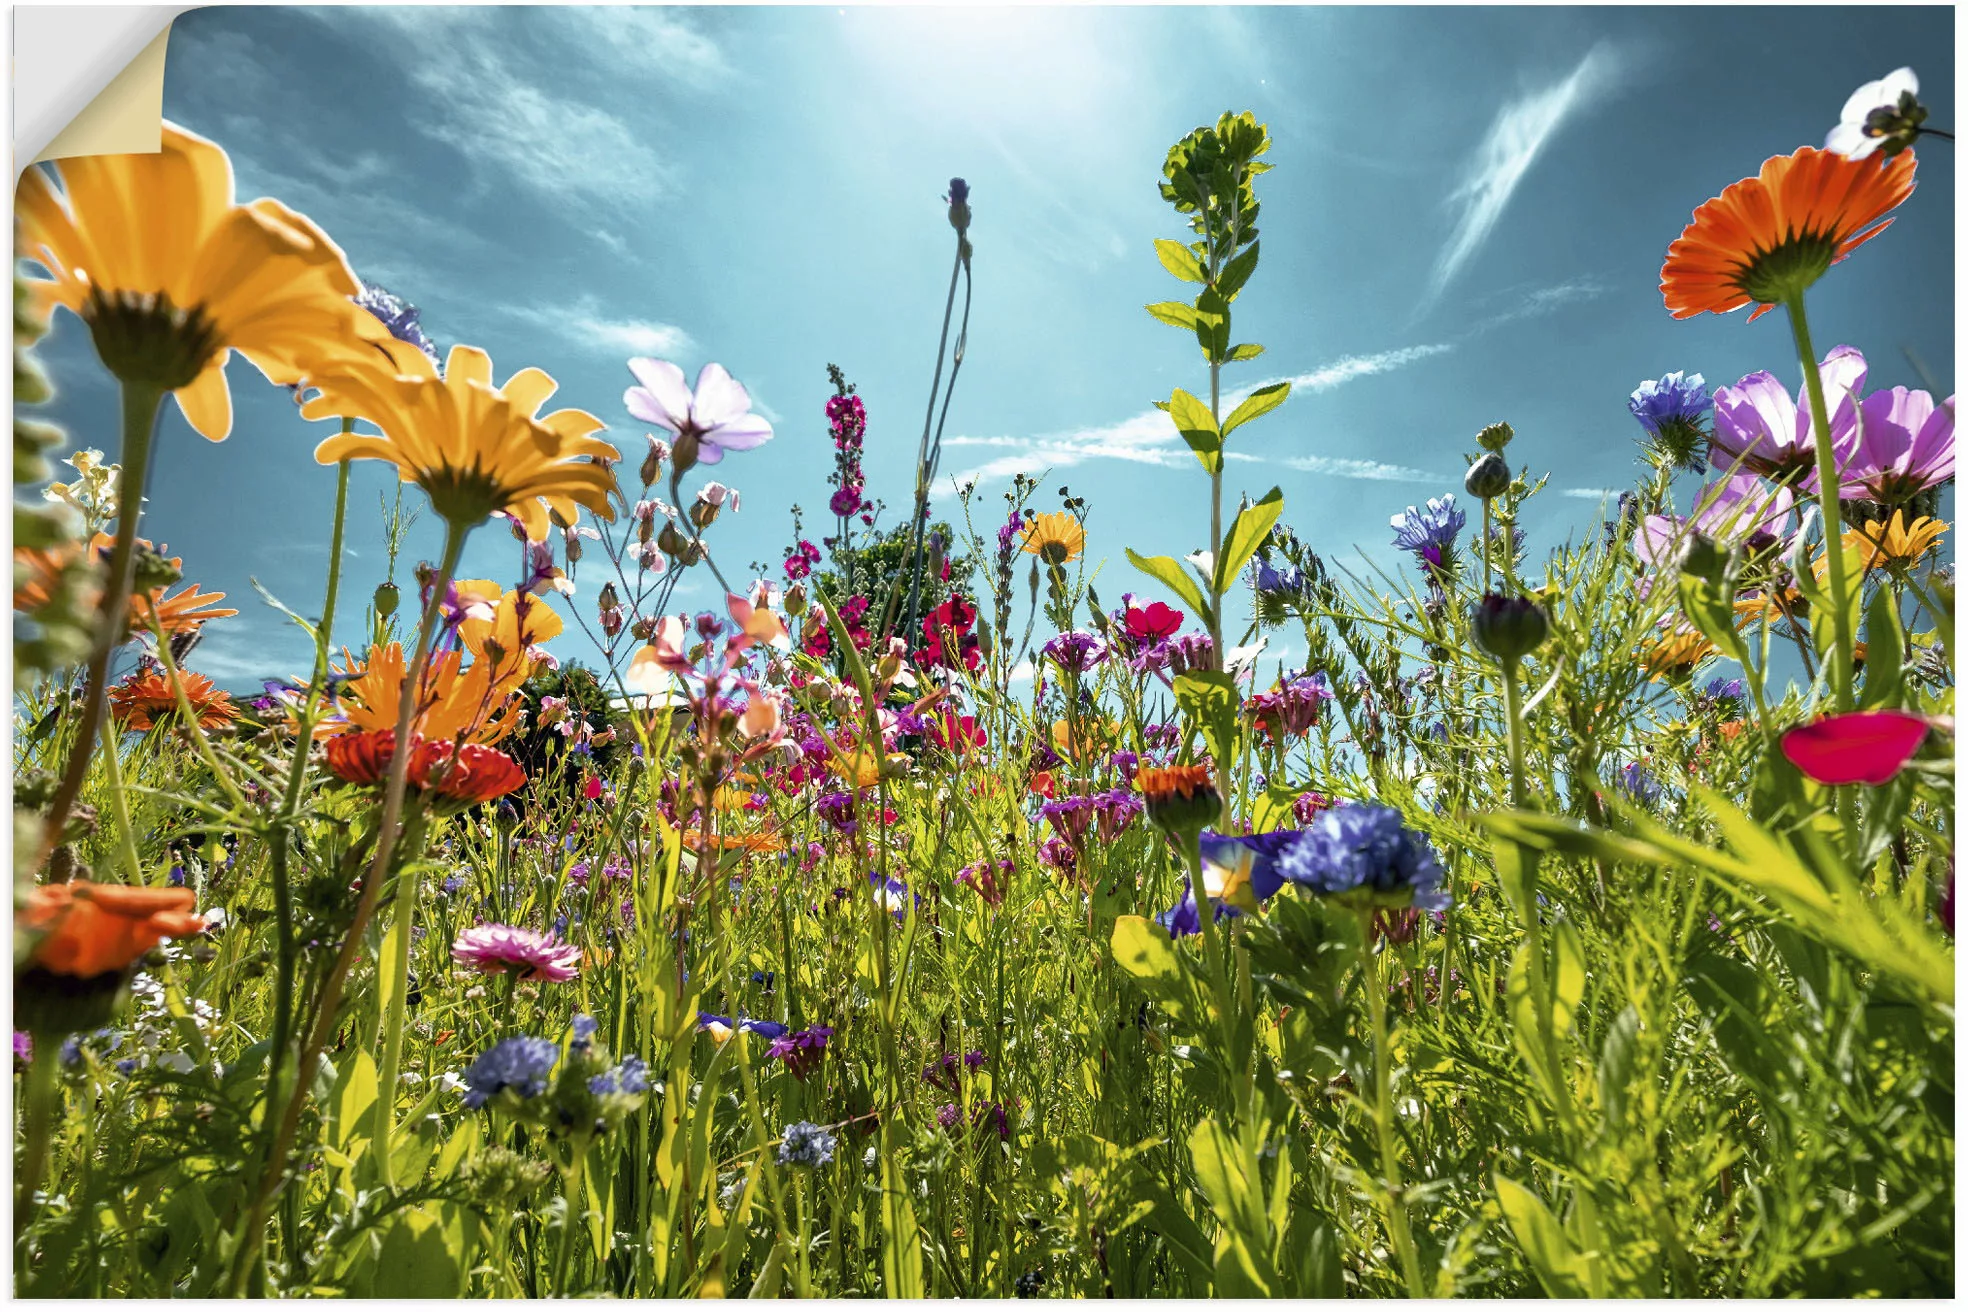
(1760, 428)
(526, 953)
(1905, 446)
(715, 419)
(1864, 747)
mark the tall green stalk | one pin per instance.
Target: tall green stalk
(1828, 504)
(1399, 1228)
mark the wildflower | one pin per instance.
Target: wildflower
(1364, 852)
(518, 1066)
(955, 733)
(1076, 652)
(474, 703)
(1179, 798)
(1894, 543)
(1059, 854)
(723, 1027)
(1146, 625)
(1863, 747)
(1191, 651)
(1905, 445)
(1674, 411)
(1114, 811)
(470, 774)
(1638, 783)
(1767, 238)
(1488, 478)
(1508, 628)
(1429, 532)
(1054, 537)
(988, 879)
(1676, 654)
(805, 1144)
(892, 895)
(1760, 429)
(404, 320)
(714, 418)
(1070, 817)
(524, 953)
(802, 1050)
(1308, 805)
(82, 930)
(1885, 116)
(628, 1079)
(171, 275)
(1243, 871)
(145, 700)
(1291, 710)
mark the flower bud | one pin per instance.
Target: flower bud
(671, 541)
(1508, 628)
(796, 600)
(684, 457)
(1488, 478)
(652, 464)
(1703, 559)
(959, 200)
(386, 599)
(1496, 437)
(704, 513)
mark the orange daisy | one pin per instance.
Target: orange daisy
(93, 929)
(1767, 238)
(456, 703)
(145, 700)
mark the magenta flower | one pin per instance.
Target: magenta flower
(526, 953)
(1905, 446)
(715, 419)
(1864, 747)
(1760, 428)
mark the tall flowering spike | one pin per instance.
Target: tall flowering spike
(1769, 237)
(713, 418)
(473, 447)
(172, 275)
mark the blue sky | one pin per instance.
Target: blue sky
(1465, 222)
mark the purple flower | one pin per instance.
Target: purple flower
(1640, 785)
(1430, 531)
(403, 319)
(1740, 509)
(1905, 446)
(493, 949)
(1058, 853)
(519, 1065)
(1076, 652)
(716, 419)
(1190, 651)
(801, 1050)
(1184, 918)
(837, 809)
(1674, 411)
(846, 501)
(1362, 849)
(1114, 811)
(1070, 817)
(721, 1027)
(626, 1080)
(1761, 429)
(23, 1048)
(584, 1028)
(1294, 708)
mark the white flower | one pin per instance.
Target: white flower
(1243, 660)
(1850, 137)
(713, 494)
(716, 418)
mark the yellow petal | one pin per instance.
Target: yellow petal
(207, 403)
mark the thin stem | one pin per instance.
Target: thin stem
(1513, 725)
(576, 1211)
(921, 511)
(1398, 1225)
(1828, 504)
(141, 403)
(119, 801)
(43, 1105)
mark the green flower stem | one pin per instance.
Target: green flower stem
(573, 1219)
(141, 404)
(119, 801)
(331, 991)
(1398, 1227)
(1214, 950)
(43, 1109)
(1484, 546)
(1513, 725)
(1828, 488)
(199, 742)
(774, 1190)
(404, 914)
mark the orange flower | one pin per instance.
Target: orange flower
(91, 929)
(1675, 655)
(1054, 537)
(188, 610)
(455, 702)
(696, 841)
(470, 774)
(1769, 237)
(1165, 783)
(37, 571)
(144, 700)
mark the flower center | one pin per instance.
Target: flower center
(1775, 275)
(143, 338)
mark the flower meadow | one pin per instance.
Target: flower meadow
(918, 922)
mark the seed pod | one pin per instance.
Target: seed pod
(386, 599)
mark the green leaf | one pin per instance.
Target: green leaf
(1176, 314)
(1168, 571)
(1616, 1064)
(1711, 608)
(355, 1094)
(1243, 351)
(1230, 1179)
(1198, 428)
(1885, 657)
(1210, 701)
(1236, 273)
(1247, 533)
(1551, 1256)
(420, 1258)
(1146, 953)
(1567, 977)
(1213, 325)
(1261, 402)
(1179, 260)
(1824, 629)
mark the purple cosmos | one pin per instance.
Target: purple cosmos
(1905, 446)
(1076, 652)
(1761, 428)
(1739, 509)
(801, 1050)
(715, 419)
(1429, 531)
(526, 953)
(1365, 849)
(517, 1065)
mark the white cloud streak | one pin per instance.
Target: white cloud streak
(584, 325)
(1376, 471)
(1506, 153)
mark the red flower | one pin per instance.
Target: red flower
(1865, 747)
(476, 774)
(361, 758)
(956, 733)
(1154, 623)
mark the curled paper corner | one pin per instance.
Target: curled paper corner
(89, 80)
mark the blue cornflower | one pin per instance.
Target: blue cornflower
(71, 1050)
(805, 1144)
(1719, 691)
(176, 879)
(721, 1026)
(584, 1029)
(1366, 849)
(1184, 918)
(631, 1077)
(1674, 410)
(399, 316)
(520, 1064)
(1640, 785)
(127, 1066)
(1430, 532)
(1284, 585)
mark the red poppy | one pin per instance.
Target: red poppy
(1152, 623)
(92, 929)
(1865, 747)
(955, 733)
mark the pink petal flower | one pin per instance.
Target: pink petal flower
(1865, 747)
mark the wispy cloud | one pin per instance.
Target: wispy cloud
(1591, 493)
(1149, 438)
(1537, 302)
(1373, 470)
(1506, 154)
(583, 324)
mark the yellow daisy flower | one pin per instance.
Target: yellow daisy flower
(474, 448)
(1895, 542)
(1676, 654)
(1055, 538)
